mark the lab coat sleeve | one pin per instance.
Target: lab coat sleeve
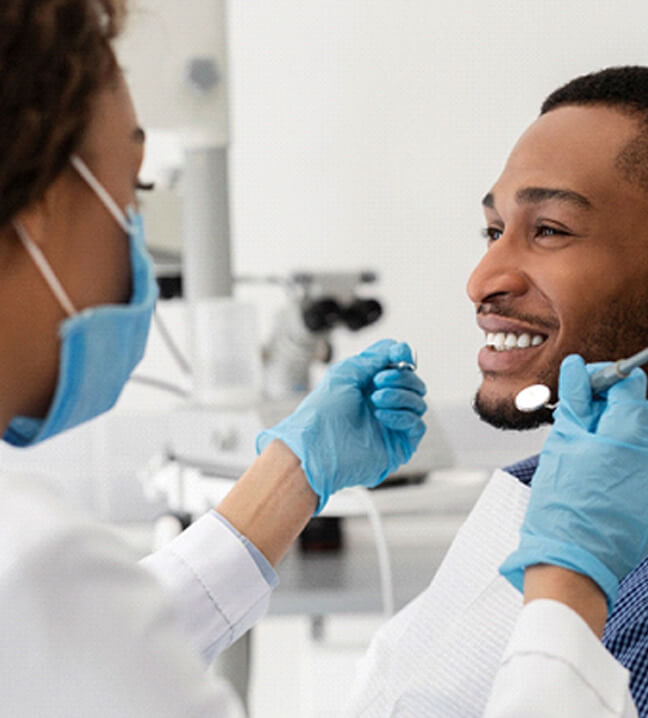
(555, 666)
(87, 632)
(220, 584)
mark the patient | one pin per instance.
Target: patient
(566, 271)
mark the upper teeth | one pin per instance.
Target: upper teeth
(505, 342)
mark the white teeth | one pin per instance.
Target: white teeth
(501, 341)
(510, 342)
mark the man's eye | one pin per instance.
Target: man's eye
(544, 231)
(492, 233)
(142, 186)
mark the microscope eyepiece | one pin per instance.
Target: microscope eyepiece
(361, 313)
(321, 314)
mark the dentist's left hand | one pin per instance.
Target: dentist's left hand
(359, 425)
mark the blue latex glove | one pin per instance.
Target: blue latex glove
(588, 509)
(359, 425)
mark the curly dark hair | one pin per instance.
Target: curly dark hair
(624, 89)
(55, 56)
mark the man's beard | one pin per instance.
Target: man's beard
(502, 414)
(622, 330)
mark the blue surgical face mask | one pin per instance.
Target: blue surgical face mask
(100, 346)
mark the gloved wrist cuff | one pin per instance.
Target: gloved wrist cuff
(536, 549)
(263, 440)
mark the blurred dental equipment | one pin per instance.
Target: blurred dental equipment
(537, 396)
(318, 303)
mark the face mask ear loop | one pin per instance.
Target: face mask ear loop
(44, 268)
(96, 186)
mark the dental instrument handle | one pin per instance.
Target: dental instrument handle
(410, 366)
(402, 365)
(610, 375)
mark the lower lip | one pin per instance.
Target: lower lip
(491, 360)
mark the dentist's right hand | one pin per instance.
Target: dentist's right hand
(360, 423)
(588, 510)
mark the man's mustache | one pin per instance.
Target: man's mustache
(492, 308)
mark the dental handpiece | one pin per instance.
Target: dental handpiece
(610, 375)
(537, 396)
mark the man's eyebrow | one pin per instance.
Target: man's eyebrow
(535, 195)
(139, 135)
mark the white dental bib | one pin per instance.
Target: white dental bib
(440, 654)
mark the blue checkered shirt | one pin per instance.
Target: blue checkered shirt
(626, 630)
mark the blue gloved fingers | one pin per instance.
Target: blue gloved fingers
(626, 423)
(625, 418)
(399, 399)
(401, 352)
(362, 367)
(416, 433)
(375, 357)
(578, 404)
(575, 391)
(400, 420)
(574, 383)
(401, 379)
(610, 415)
(630, 389)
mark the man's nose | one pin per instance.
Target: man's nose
(499, 274)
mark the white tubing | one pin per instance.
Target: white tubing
(384, 562)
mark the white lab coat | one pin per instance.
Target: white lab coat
(85, 631)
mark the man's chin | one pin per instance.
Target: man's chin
(502, 414)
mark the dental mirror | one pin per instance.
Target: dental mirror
(532, 398)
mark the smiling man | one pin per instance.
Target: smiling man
(565, 272)
(566, 269)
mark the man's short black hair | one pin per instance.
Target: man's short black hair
(621, 88)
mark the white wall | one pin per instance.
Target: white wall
(365, 133)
